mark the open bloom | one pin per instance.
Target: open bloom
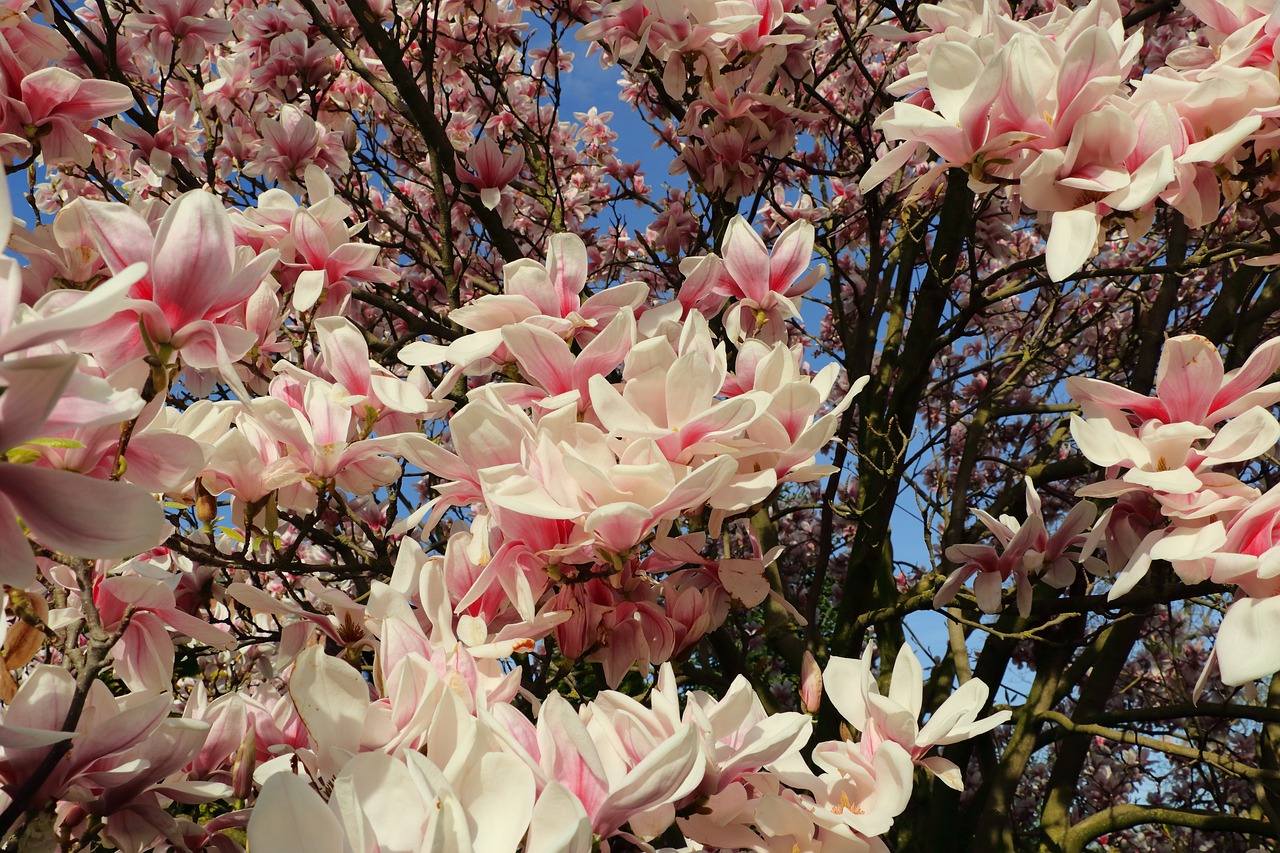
(1191, 386)
(123, 749)
(490, 170)
(194, 276)
(766, 286)
(851, 685)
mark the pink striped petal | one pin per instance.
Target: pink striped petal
(82, 516)
(193, 260)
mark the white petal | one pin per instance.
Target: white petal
(1246, 647)
(290, 816)
(1073, 239)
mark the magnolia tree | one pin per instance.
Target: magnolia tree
(886, 463)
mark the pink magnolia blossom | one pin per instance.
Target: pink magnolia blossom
(766, 286)
(1191, 386)
(810, 683)
(611, 788)
(123, 750)
(185, 24)
(144, 654)
(545, 295)
(250, 463)
(194, 277)
(55, 108)
(293, 140)
(327, 264)
(491, 171)
(322, 432)
(670, 395)
(158, 458)
(893, 718)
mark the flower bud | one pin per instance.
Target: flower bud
(206, 504)
(243, 764)
(810, 684)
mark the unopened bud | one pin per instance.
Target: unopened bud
(206, 504)
(243, 765)
(273, 516)
(810, 684)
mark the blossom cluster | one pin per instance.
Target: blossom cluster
(439, 753)
(729, 72)
(617, 426)
(1172, 463)
(1078, 139)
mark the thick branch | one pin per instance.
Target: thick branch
(1176, 750)
(1128, 815)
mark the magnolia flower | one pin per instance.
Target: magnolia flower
(123, 748)
(56, 107)
(1191, 386)
(737, 737)
(194, 276)
(852, 688)
(611, 787)
(1026, 550)
(766, 286)
(490, 170)
(541, 294)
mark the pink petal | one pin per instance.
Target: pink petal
(207, 345)
(82, 516)
(1103, 395)
(193, 259)
(122, 237)
(310, 238)
(746, 260)
(543, 356)
(500, 798)
(744, 580)
(345, 353)
(792, 254)
(163, 462)
(128, 728)
(1260, 366)
(1073, 237)
(144, 655)
(32, 389)
(1189, 377)
(86, 312)
(1246, 646)
(669, 772)
(575, 762)
(486, 161)
(332, 700)
(558, 824)
(620, 527)
(567, 266)
(18, 566)
(46, 91)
